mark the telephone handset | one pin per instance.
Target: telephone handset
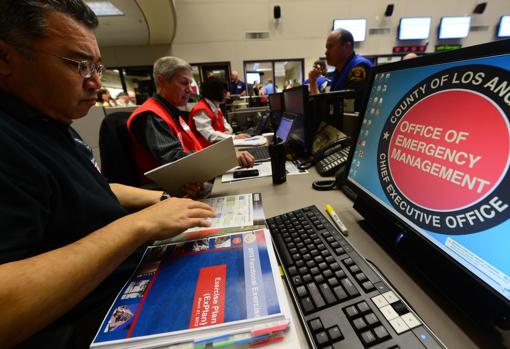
(330, 158)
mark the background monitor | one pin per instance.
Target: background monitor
(454, 27)
(357, 27)
(504, 27)
(276, 108)
(434, 183)
(296, 102)
(414, 28)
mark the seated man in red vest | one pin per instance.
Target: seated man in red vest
(159, 132)
(206, 119)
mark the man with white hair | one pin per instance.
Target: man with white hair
(159, 130)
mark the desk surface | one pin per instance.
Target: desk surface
(455, 330)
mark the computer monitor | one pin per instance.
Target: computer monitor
(357, 27)
(276, 108)
(431, 172)
(454, 27)
(504, 27)
(295, 101)
(414, 28)
(329, 108)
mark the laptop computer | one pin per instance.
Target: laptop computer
(261, 126)
(282, 134)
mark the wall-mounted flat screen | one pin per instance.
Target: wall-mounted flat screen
(454, 27)
(357, 27)
(504, 27)
(414, 28)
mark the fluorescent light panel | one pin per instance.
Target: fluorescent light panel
(104, 8)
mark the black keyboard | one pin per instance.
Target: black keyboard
(259, 153)
(341, 300)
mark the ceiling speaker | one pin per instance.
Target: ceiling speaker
(277, 12)
(480, 8)
(389, 10)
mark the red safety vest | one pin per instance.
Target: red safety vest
(216, 122)
(143, 158)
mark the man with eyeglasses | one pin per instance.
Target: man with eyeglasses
(68, 242)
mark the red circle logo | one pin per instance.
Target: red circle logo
(455, 142)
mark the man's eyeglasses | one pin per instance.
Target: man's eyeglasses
(85, 68)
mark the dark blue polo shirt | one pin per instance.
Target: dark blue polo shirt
(52, 195)
(237, 88)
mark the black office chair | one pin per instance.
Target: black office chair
(117, 163)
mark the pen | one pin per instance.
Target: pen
(337, 220)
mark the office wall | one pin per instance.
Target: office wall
(214, 30)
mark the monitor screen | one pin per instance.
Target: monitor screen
(454, 27)
(357, 27)
(282, 133)
(504, 27)
(414, 28)
(296, 102)
(275, 102)
(252, 78)
(433, 153)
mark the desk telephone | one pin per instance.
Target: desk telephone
(330, 158)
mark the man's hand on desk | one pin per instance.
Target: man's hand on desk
(172, 216)
(245, 159)
(242, 136)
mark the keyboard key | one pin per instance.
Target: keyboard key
(354, 269)
(361, 277)
(359, 323)
(293, 271)
(316, 325)
(321, 338)
(399, 325)
(400, 308)
(388, 312)
(371, 319)
(340, 293)
(368, 286)
(348, 261)
(328, 294)
(363, 307)
(319, 279)
(390, 297)
(301, 291)
(307, 278)
(349, 287)
(315, 294)
(368, 338)
(380, 301)
(351, 311)
(333, 282)
(335, 334)
(307, 305)
(296, 280)
(381, 333)
(287, 260)
(340, 274)
(327, 274)
(411, 320)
